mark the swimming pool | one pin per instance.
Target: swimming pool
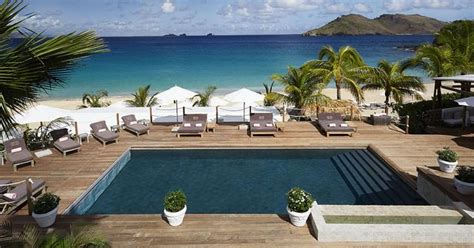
(242, 180)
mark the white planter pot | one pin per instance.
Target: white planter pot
(446, 166)
(46, 219)
(175, 218)
(463, 187)
(298, 219)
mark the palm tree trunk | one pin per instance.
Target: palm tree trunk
(338, 91)
(387, 101)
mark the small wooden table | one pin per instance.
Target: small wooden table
(83, 136)
(280, 126)
(211, 126)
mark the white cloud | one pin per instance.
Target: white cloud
(168, 7)
(404, 5)
(40, 23)
(362, 8)
(397, 5)
(336, 8)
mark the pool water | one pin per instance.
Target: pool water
(249, 180)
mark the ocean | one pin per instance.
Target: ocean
(228, 62)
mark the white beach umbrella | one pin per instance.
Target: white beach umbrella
(40, 113)
(244, 95)
(468, 102)
(217, 101)
(175, 93)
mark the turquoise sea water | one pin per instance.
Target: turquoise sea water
(229, 62)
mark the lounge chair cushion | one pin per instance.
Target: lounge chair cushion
(133, 123)
(137, 128)
(20, 190)
(67, 145)
(63, 139)
(186, 124)
(184, 129)
(18, 149)
(22, 156)
(325, 125)
(3, 189)
(107, 135)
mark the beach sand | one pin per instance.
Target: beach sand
(370, 97)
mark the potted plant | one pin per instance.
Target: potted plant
(45, 209)
(447, 160)
(175, 207)
(464, 180)
(299, 206)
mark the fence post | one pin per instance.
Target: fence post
(29, 193)
(184, 110)
(151, 115)
(407, 124)
(217, 114)
(352, 112)
(118, 121)
(244, 113)
(284, 112)
(76, 129)
(317, 111)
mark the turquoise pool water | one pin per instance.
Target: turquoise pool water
(244, 181)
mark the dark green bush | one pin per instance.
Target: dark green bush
(175, 201)
(447, 155)
(45, 203)
(415, 110)
(465, 174)
(299, 200)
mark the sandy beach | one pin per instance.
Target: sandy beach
(370, 97)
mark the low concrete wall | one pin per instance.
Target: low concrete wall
(388, 232)
(433, 195)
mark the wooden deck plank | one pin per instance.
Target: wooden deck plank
(72, 175)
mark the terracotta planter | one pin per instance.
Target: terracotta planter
(298, 219)
(446, 166)
(175, 218)
(464, 188)
(46, 219)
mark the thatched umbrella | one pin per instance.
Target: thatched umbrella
(345, 107)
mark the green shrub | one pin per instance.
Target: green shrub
(465, 174)
(299, 200)
(416, 109)
(175, 201)
(447, 155)
(45, 203)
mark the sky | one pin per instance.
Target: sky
(220, 17)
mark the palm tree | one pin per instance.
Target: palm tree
(341, 67)
(302, 87)
(202, 99)
(435, 61)
(390, 78)
(94, 100)
(141, 99)
(36, 64)
(271, 98)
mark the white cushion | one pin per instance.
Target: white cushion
(269, 125)
(63, 139)
(256, 124)
(10, 196)
(187, 124)
(18, 149)
(102, 130)
(198, 124)
(332, 124)
(132, 122)
(344, 125)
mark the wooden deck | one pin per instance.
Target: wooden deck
(72, 175)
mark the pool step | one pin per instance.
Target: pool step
(373, 182)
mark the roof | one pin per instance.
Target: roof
(460, 78)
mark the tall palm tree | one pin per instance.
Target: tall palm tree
(141, 98)
(302, 87)
(36, 64)
(341, 67)
(94, 100)
(390, 78)
(271, 98)
(202, 99)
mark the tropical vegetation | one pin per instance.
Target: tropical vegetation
(95, 100)
(271, 98)
(302, 87)
(299, 200)
(341, 67)
(175, 201)
(77, 237)
(465, 174)
(447, 155)
(142, 98)
(35, 64)
(45, 203)
(390, 78)
(202, 99)
(39, 138)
